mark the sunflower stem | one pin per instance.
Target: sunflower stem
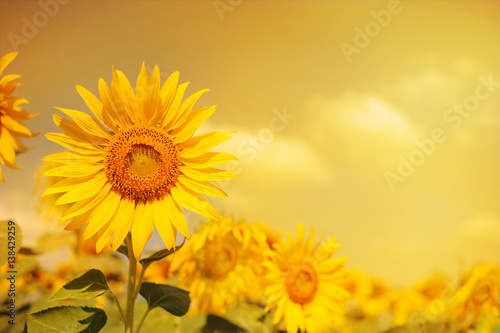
(131, 288)
(118, 305)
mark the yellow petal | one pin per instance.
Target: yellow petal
(65, 185)
(194, 202)
(78, 221)
(208, 159)
(112, 114)
(84, 190)
(86, 205)
(67, 142)
(172, 112)
(6, 59)
(167, 207)
(74, 170)
(93, 103)
(142, 228)
(123, 94)
(122, 222)
(66, 157)
(102, 214)
(73, 131)
(87, 123)
(192, 123)
(186, 107)
(15, 125)
(200, 144)
(1, 176)
(168, 90)
(202, 187)
(6, 147)
(7, 78)
(162, 223)
(207, 174)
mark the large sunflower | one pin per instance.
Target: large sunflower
(220, 264)
(305, 284)
(138, 163)
(11, 116)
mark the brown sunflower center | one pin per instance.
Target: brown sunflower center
(301, 282)
(142, 163)
(218, 259)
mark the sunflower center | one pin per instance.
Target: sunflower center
(301, 283)
(142, 163)
(218, 259)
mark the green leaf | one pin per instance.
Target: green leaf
(67, 319)
(218, 324)
(173, 300)
(10, 240)
(89, 284)
(159, 255)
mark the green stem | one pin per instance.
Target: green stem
(140, 281)
(118, 305)
(131, 288)
(142, 320)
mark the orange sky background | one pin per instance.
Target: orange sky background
(352, 116)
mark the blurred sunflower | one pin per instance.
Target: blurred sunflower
(219, 264)
(138, 163)
(477, 298)
(305, 284)
(11, 116)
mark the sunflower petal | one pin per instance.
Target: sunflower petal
(6, 60)
(67, 142)
(74, 170)
(173, 110)
(86, 205)
(200, 144)
(162, 223)
(207, 174)
(194, 202)
(66, 157)
(142, 228)
(122, 222)
(102, 214)
(208, 159)
(192, 123)
(202, 187)
(186, 107)
(93, 103)
(83, 191)
(87, 123)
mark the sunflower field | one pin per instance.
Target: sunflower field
(341, 174)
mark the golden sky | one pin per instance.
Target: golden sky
(375, 121)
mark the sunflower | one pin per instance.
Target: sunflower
(219, 264)
(477, 298)
(136, 165)
(305, 284)
(11, 116)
